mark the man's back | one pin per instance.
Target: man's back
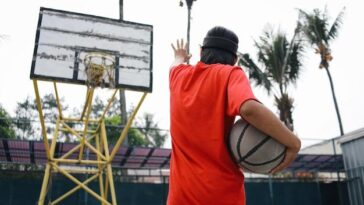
(201, 117)
(204, 102)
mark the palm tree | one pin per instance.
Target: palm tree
(319, 33)
(189, 8)
(281, 65)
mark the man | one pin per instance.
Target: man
(205, 99)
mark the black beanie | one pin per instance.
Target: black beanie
(220, 43)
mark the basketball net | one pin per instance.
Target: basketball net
(99, 69)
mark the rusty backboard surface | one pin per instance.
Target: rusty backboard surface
(63, 39)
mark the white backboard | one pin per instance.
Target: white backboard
(63, 39)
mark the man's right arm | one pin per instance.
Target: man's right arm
(265, 120)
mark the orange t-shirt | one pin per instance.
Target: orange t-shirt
(204, 101)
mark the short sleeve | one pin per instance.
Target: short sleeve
(172, 71)
(238, 91)
(175, 70)
(172, 74)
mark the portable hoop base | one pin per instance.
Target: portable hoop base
(92, 137)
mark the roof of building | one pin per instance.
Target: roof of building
(324, 147)
(354, 135)
(33, 152)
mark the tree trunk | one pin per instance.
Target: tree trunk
(189, 7)
(188, 31)
(285, 105)
(335, 101)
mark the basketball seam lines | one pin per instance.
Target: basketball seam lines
(255, 148)
(239, 141)
(267, 162)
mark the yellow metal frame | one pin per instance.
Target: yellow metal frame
(101, 167)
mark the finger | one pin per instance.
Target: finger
(182, 43)
(288, 161)
(278, 168)
(275, 169)
(282, 165)
(174, 49)
(177, 44)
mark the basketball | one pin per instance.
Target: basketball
(254, 150)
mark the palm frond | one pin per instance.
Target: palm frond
(333, 32)
(314, 26)
(280, 45)
(294, 61)
(270, 53)
(255, 73)
(293, 56)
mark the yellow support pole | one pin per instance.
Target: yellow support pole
(78, 131)
(85, 142)
(72, 131)
(101, 181)
(94, 150)
(106, 187)
(101, 167)
(54, 139)
(86, 102)
(39, 106)
(106, 108)
(76, 161)
(59, 199)
(43, 190)
(126, 128)
(111, 184)
(109, 181)
(84, 136)
(77, 171)
(109, 104)
(70, 152)
(96, 121)
(59, 106)
(76, 181)
(48, 170)
(103, 185)
(74, 149)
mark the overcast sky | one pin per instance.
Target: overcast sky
(314, 113)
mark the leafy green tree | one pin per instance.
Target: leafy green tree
(145, 131)
(280, 61)
(113, 131)
(25, 114)
(319, 33)
(50, 112)
(151, 131)
(50, 108)
(6, 127)
(97, 107)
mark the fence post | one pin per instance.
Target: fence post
(337, 173)
(271, 194)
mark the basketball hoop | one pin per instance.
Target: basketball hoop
(99, 69)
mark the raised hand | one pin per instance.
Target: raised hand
(180, 53)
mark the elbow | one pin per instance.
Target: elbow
(297, 145)
(248, 109)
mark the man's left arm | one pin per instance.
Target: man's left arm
(180, 53)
